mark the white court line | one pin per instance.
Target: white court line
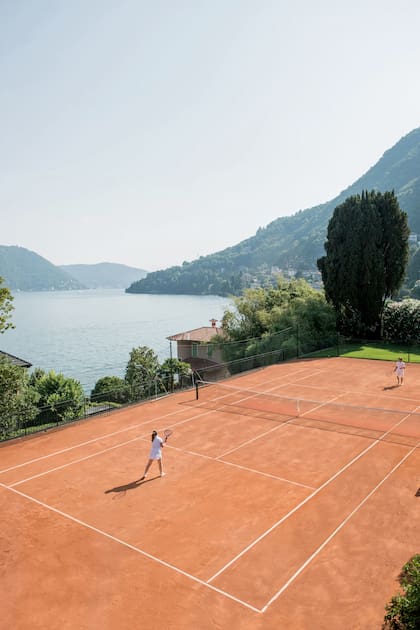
(335, 532)
(259, 472)
(106, 435)
(81, 459)
(233, 465)
(133, 548)
(74, 461)
(302, 503)
(101, 437)
(106, 450)
(278, 427)
(257, 437)
(183, 572)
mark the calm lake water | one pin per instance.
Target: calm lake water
(89, 334)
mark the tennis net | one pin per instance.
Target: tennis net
(398, 425)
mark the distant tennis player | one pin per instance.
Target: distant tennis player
(400, 369)
(155, 453)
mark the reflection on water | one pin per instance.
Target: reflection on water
(89, 334)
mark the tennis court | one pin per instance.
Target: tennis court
(289, 502)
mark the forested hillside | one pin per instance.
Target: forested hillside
(24, 270)
(295, 241)
(104, 275)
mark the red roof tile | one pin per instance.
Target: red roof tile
(205, 333)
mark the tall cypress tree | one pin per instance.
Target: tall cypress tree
(365, 261)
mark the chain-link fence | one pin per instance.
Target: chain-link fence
(291, 345)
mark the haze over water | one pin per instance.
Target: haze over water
(89, 334)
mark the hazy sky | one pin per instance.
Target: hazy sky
(149, 132)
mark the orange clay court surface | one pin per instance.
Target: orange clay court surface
(272, 514)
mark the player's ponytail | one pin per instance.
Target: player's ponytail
(154, 434)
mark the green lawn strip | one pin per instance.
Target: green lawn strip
(374, 350)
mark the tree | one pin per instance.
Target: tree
(172, 372)
(17, 398)
(110, 389)
(403, 611)
(365, 261)
(6, 307)
(141, 372)
(60, 398)
(267, 319)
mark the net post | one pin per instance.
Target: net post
(196, 390)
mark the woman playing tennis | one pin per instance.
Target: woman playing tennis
(155, 453)
(400, 369)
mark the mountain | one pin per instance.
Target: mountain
(104, 275)
(23, 270)
(296, 240)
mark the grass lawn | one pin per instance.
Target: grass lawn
(373, 350)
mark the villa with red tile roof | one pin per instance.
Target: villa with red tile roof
(196, 348)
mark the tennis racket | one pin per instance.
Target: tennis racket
(167, 433)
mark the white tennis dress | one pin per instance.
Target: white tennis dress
(156, 450)
(400, 367)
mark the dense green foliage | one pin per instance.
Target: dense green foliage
(44, 399)
(173, 372)
(17, 399)
(282, 317)
(142, 370)
(111, 389)
(401, 321)
(204, 276)
(144, 377)
(403, 611)
(6, 307)
(295, 240)
(60, 398)
(365, 261)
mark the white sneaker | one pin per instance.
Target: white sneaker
(162, 474)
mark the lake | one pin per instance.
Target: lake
(89, 334)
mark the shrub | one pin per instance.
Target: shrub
(401, 321)
(403, 611)
(110, 389)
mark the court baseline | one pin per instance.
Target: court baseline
(186, 574)
(307, 499)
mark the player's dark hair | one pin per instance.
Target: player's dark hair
(154, 434)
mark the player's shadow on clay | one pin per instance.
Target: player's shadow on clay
(418, 493)
(131, 486)
(391, 387)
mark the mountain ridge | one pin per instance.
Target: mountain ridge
(295, 240)
(104, 275)
(24, 270)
